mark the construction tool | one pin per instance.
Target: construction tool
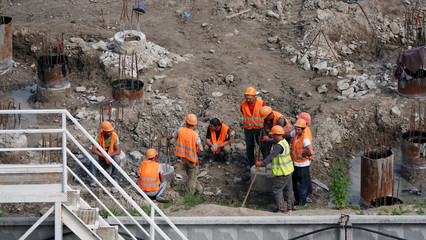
(251, 185)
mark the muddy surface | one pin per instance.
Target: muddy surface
(223, 55)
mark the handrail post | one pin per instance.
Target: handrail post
(151, 228)
(64, 151)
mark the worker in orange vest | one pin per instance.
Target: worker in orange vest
(218, 139)
(252, 122)
(188, 148)
(151, 178)
(305, 116)
(108, 140)
(301, 152)
(270, 119)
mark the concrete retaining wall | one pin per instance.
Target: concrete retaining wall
(252, 228)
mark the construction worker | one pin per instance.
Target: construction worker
(301, 152)
(218, 139)
(270, 119)
(188, 147)
(253, 123)
(282, 169)
(151, 178)
(305, 116)
(110, 143)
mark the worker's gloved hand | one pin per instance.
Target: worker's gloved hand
(264, 138)
(182, 162)
(258, 164)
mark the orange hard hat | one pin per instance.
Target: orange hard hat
(151, 153)
(250, 91)
(265, 111)
(277, 129)
(305, 116)
(300, 123)
(191, 119)
(106, 126)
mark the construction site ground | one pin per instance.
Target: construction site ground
(224, 57)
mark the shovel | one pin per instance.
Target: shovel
(251, 185)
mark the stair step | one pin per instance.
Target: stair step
(73, 199)
(89, 216)
(108, 232)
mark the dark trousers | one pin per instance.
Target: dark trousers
(301, 180)
(282, 188)
(251, 136)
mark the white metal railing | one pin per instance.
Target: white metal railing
(66, 135)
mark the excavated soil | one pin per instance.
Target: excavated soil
(225, 56)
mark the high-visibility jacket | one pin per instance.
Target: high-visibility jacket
(277, 115)
(111, 143)
(149, 179)
(252, 121)
(282, 165)
(186, 146)
(223, 132)
(308, 133)
(296, 148)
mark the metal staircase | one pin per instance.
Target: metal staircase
(41, 182)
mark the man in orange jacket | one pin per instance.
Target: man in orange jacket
(253, 123)
(305, 116)
(301, 152)
(110, 143)
(151, 178)
(270, 119)
(218, 139)
(188, 148)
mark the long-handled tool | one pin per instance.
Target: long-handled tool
(251, 185)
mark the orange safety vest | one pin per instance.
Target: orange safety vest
(277, 115)
(296, 149)
(308, 133)
(111, 144)
(252, 121)
(149, 179)
(185, 146)
(223, 131)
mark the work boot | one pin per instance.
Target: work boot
(92, 183)
(161, 200)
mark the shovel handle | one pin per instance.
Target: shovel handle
(251, 185)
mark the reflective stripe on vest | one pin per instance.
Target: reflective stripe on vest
(186, 146)
(223, 132)
(149, 179)
(111, 143)
(252, 121)
(282, 164)
(296, 149)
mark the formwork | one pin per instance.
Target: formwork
(376, 176)
(6, 45)
(413, 149)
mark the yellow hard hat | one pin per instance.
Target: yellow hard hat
(106, 126)
(277, 129)
(300, 123)
(305, 116)
(265, 111)
(250, 91)
(151, 153)
(191, 119)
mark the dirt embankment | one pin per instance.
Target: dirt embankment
(266, 47)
